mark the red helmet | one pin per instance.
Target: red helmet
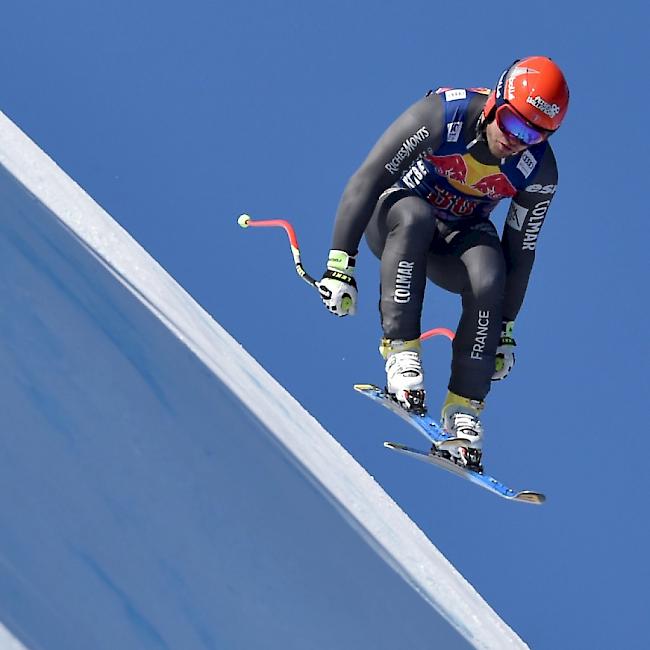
(536, 88)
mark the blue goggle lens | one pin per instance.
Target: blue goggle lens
(516, 126)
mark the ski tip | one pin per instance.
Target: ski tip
(364, 388)
(527, 496)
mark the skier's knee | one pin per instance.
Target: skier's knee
(489, 285)
(413, 215)
(487, 278)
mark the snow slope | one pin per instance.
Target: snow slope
(158, 489)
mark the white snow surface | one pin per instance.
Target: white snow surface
(56, 214)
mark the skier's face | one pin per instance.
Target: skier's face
(500, 143)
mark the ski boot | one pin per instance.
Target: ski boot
(404, 376)
(460, 419)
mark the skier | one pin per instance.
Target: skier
(423, 197)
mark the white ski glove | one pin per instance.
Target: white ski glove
(505, 359)
(338, 288)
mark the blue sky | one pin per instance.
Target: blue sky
(177, 118)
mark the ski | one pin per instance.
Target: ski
(478, 478)
(432, 431)
(422, 422)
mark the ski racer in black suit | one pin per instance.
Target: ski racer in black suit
(423, 198)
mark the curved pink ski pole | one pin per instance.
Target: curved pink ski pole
(245, 221)
(438, 331)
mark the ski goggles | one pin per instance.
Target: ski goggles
(513, 124)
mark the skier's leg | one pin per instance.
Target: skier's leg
(470, 262)
(400, 234)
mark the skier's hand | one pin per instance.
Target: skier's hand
(338, 288)
(505, 359)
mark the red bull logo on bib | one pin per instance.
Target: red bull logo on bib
(471, 177)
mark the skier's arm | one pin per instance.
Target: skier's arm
(419, 128)
(523, 224)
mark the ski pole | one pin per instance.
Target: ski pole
(245, 221)
(438, 331)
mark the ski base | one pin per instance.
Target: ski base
(432, 431)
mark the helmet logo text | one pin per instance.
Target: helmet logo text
(541, 105)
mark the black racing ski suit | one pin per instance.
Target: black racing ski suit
(415, 238)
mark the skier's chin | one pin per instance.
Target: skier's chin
(504, 150)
